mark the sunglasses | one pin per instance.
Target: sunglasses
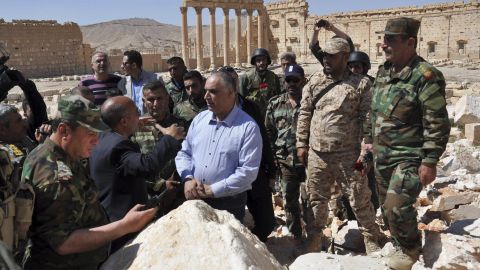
(391, 38)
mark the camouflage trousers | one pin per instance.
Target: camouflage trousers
(290, 183)
(398, 188)
(324, 169)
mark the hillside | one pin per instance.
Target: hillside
(140, 33)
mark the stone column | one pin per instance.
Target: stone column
(185, 54)
(283, 32)
(238, 25)
(260, 28)
(198, 11)
(249, 34)
(226, 46)
(213, 38)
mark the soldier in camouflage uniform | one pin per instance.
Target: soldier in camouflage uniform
(409, 132)
(281, 125)
(156, 100)
(70, 228)
(194, 85)
(286, 59)
(16, 205)
(175, 87)
(334, 106)
(315, 45)
(260, 84)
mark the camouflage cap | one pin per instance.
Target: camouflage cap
(401, 26)
(336, 45)
(81, 110)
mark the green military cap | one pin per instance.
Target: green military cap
(401, 26)
(81, 110)
(336, 45)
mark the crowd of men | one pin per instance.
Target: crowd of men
(124, 150)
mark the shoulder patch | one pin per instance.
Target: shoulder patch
(427, 71)
(64, 172)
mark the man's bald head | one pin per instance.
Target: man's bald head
(116, 108)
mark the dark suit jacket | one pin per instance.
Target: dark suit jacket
(119, 170)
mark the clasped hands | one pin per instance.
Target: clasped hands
(195, 189)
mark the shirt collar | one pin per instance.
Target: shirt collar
(405, 73)
(229, 119)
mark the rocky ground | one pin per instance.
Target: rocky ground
(448, 209)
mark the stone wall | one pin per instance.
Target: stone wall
(448, 30)
(44, 48)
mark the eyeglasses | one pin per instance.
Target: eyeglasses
(125, 63)
(292, 79)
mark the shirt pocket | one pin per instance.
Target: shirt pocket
(404, 107)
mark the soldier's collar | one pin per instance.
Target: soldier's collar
(344, 76)
(406, 72)
(57, 149)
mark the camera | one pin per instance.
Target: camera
(8, 77)
(322, 23)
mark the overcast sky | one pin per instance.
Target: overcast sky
(86, 12)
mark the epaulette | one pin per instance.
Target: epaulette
(427, 71)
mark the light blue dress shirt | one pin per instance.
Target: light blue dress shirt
(223, 154)
(137, 94)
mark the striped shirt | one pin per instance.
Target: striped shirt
(99, 88)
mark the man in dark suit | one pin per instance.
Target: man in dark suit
(118, 167)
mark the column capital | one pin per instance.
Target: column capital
(183, 10)
(212, 11)
(238, 12)
(249, 12)
(198, 10)
(226, 11)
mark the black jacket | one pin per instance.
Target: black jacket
(260, 187)
(119, 170)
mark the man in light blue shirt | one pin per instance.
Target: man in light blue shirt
(132, 84)
(221, 155)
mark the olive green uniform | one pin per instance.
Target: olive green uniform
(66, 200)
(259, 87)
(409, 127)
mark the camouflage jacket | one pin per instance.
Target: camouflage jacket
(281, 124)
(66, 200)
(259, 89)
(146, 139)
(177, 95)
(187, 110)
(409, 115)
(11, 162)
(334, 123)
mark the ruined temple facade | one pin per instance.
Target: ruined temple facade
(250, 6)
(45, 48)
(448, 30)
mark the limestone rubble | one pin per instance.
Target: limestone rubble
(194, 236)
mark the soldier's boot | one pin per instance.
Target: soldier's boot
(403, 259)
(314, 242)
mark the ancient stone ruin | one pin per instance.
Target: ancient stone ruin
(448, 31)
